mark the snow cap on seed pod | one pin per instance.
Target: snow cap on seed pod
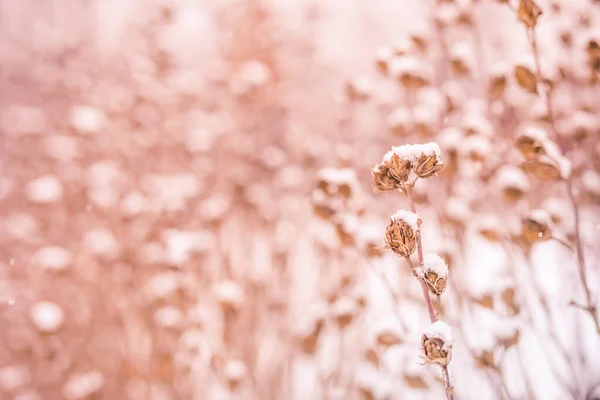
(434, 272)
(436, 343)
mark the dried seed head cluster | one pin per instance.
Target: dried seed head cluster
(537, 226)
(403, 163)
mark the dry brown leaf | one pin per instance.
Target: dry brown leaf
(415, 381)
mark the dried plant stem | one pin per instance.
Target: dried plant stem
(531, 33)
(432, 316)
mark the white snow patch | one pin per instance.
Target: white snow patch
(80, 386)
(512, 177)
(48, 317)
(87, 119)
(412, 152)
(410, 218)
(432, 263)
(44, 190)
(54, 258)
(440, 330)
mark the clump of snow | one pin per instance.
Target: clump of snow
(61, 147)
(476, 123)
(344, 306)
(388, 326)
(450, 138)
(215, 207)
(162, 285)
(13, 377)
(134, 203)
(168, 317)
(181, 244)
(556, 207)
(46, 189)
(412, 152)
(47, 316)
(541, 216)
(87, 119)
(408, 217)
(198, 140)
(440, 330)
(235, 370)
(103, 243)
(54, 258)
(229, 293)
(170, 192)
(338, 175)
(400, 117)
(510, 176)
(590, 180)
(476, 145)
(463, 52)
(21, 226)
(432, 263)
(81, 386)
(457, 209)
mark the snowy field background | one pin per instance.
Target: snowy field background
(160, 168)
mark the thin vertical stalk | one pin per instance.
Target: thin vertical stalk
(432, 316)
(546, 96)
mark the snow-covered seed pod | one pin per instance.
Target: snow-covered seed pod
(388, 332)
(234, 371)
(434, 272)
(401, 233)
(344, 311)
(512, 182)
(537, 226)
(436, 344)
(531, 142)
(230, 296)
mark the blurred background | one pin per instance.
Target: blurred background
(187, 212)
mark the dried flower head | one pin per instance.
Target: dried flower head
(401, 233)
(436, 343)
(537, 226)
(497, 84)
(429, 162)
(434, 272)
(529, 12)
(234, 371)
(513, 183)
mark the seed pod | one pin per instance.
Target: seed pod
(436, 343)
(428, 164)
(529, 12)
(382, 60)
(388, 332)
(485, 359)
(513, 183)
(434, 272)
(544, 169)
(401, 233)
(525, 77)
(536, 227)
(497, 84)
(531, 141)
(344, 310)
(234, 372)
